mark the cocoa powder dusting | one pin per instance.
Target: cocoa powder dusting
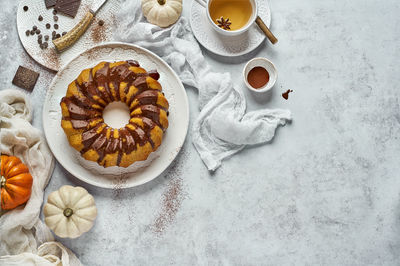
(172, 200)
(118, 194)
(52, 58)
(119, 183)
(98, 33)
(173, 196)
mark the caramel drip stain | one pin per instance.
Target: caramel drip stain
(285, 95)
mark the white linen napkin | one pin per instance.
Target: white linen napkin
(24, 238)
(223, 126)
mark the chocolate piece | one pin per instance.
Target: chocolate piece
(56, 26)
(26, 8)
(50, 3)
(79, 123)
(48, 26)
(154, 74)
(133, 63)
(40, 18)
(140, 83)
(25, 78)
(68, 7)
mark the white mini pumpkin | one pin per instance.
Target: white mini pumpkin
(70, 211)
(162, 12)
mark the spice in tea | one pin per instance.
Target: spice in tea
(224, 23)
(238, 12)
(258, 77)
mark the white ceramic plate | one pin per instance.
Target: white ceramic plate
(140, 172)
(49, 58)
(229, 46)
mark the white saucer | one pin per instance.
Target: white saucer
(226, 45)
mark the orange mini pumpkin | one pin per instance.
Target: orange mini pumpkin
(16, 182)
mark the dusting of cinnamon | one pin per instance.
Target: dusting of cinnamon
(172, 200)
(98, 33)
(285, 95)
(52, 58)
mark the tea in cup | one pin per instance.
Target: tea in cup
(231, 17)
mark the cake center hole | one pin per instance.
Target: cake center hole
(116, 114)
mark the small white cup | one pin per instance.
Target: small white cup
(233, 32)
(264, 63)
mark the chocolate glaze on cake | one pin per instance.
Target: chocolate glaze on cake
(92, 91)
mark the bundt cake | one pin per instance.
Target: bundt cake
(88, 95)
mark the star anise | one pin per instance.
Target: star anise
(224, 23)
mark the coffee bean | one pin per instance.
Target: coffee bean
(32, 32)
(54, 12)
(101, 22)
(64, 33)
(48, 26)
(55, 18)
(27, 32)
(39, 41)
(58, 35)
(45, 45)
(40, 18)
(37, 31)
(46, 37)
(41, 46)
(40, 36)
(54, 33)
(34, 28)
(26, 8)
(56, 26)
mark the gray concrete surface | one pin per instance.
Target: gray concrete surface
(325, 191)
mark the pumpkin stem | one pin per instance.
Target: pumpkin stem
(161, 2)
(3, 181)
(68, 212)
